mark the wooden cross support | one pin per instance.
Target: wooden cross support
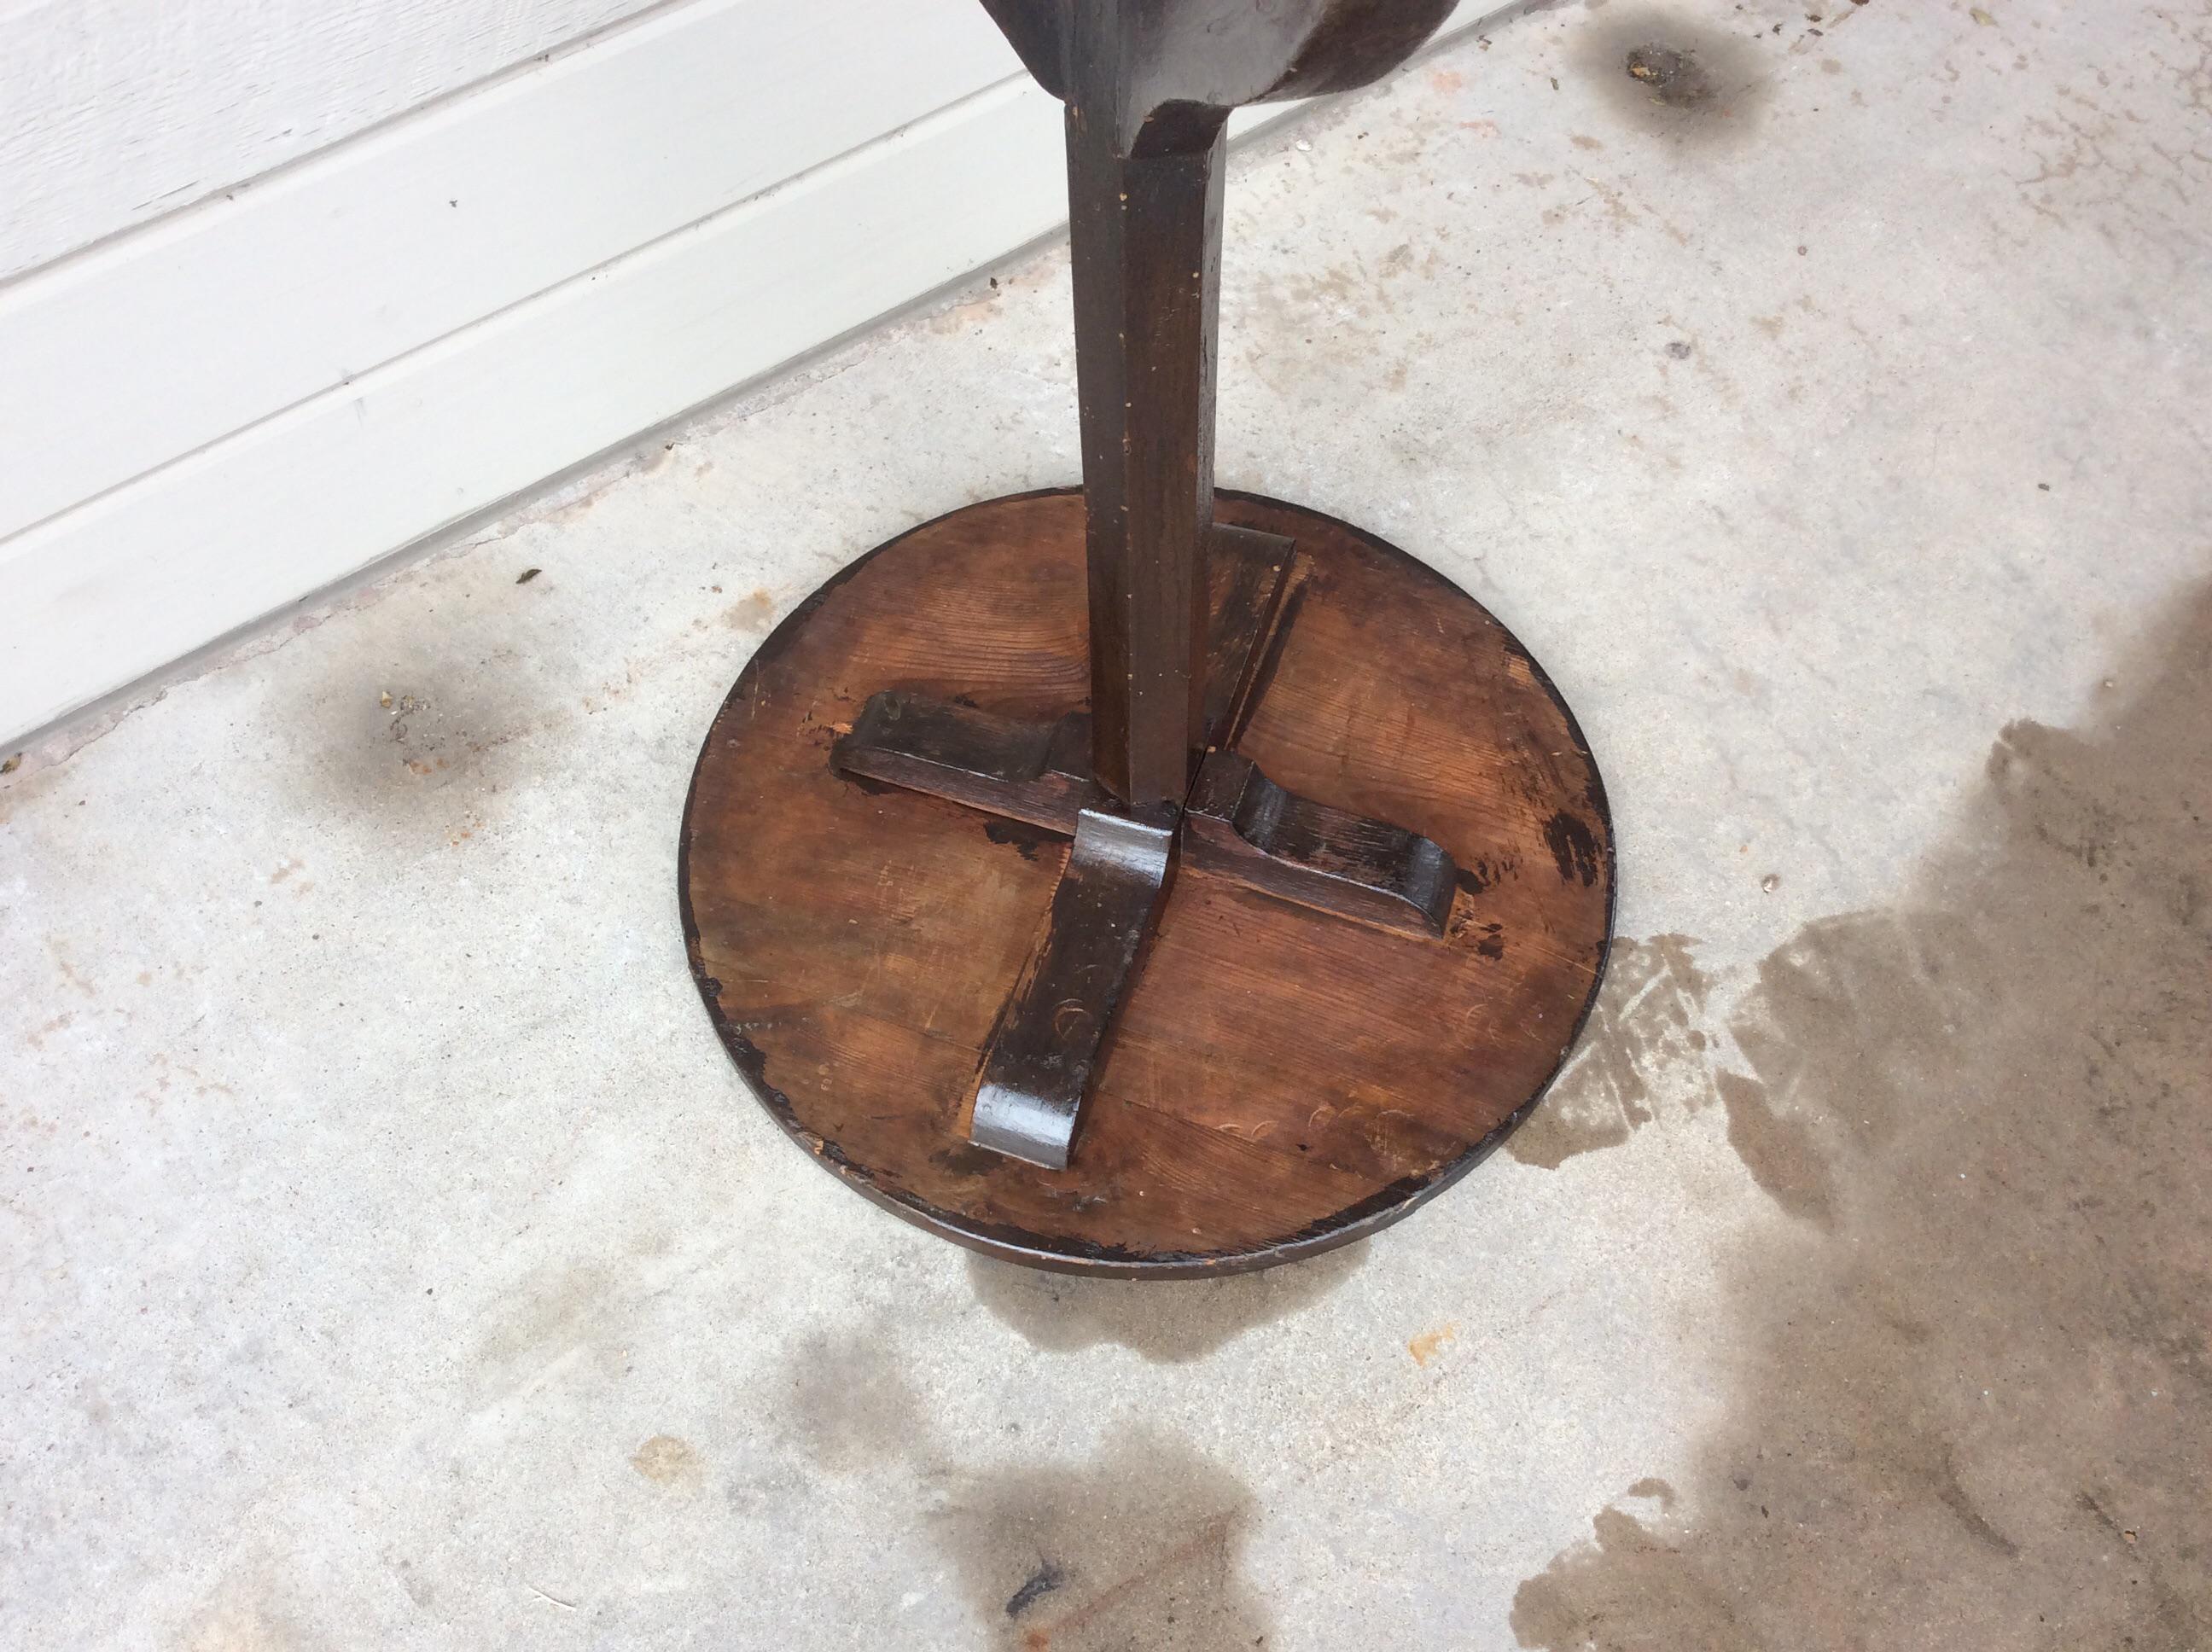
(1184, 613)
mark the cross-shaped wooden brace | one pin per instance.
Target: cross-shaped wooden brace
(1184, 613)
(1046, 1045)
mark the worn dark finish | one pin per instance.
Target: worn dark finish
(1242, 709)
(1038, 1068)
(1236, 820)
(1041, 772)
(1243, 825)
(1145, 233)
(1280, 1080)
(1045, 1050)
(1251, 574)
(1033, 771)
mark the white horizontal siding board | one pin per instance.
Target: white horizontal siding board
(105, 594)
(115, 111)
(162, 341)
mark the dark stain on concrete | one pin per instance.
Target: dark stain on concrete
(412, 747)
(1141, 1545)
(1625, 1589)
(1777, 1149)
(1041, 1582)
(1669, 75)
(1166, 1321)
(1675, 78)
(1975, 1412)
(846, 1402)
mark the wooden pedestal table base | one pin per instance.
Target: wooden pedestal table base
(1288, 1010)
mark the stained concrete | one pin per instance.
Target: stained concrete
(395, 1260)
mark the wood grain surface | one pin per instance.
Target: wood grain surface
(1280, 1080)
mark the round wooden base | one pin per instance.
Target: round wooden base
(1279, 1081)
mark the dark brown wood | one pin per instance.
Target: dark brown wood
(1239, 821)
(1245, 826)
(1036, 773)
(1279, 1079)
(1044, 1051)
(1251, 574)
(1236, 821)
(1038, 1068)
(1040, 773)
(1145, 237)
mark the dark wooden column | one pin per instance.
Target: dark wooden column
(1145, 229)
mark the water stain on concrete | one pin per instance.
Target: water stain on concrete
(1644, 1028)
(1651, 1052)
(242, 1615)
(1976, 1412)
(1777, 1149)
(1167, 1321)
(1670, 75)
(1138, 1547)
(847, 1403)
(552, 1310)
(1623, 1591)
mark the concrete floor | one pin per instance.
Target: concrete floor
(394, 1259)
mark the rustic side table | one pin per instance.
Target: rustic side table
(1144, 879)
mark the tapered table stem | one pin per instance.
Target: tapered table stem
(1145, 229)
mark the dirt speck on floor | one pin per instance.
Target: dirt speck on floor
(753, 613)
(667, 1461)
(1427, 1345)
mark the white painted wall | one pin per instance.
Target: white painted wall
(515, 256)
